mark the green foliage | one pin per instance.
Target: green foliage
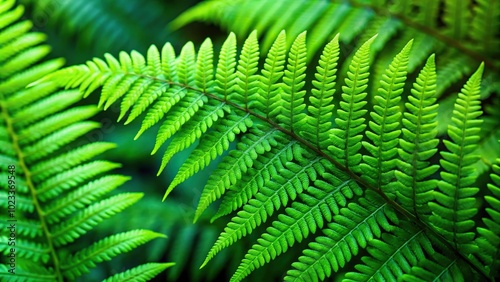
(470, 29)
(455, 202)
(53, 192)
(364, 175)
(488, 237)
(347, 142)
(143, 272)
(418, 143)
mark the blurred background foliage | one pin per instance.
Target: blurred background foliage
(78, 30)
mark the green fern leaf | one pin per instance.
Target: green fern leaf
(82, 196)
(418, 144)
(48, 168)
(211, 146)
(350, 121)
(204, 68)
(378, 167)
(393, 255)
(454, 206)
(265, 167)
(225, 74)
(266, 103)
(452, 68)
(322, 95)
(457, 18)
(84, 220)
(35, 272)
(193, 130)
(324, 27)
(105, 249)
(302, 165)
(140, 273)
(288, 184)
(54, 185)
(292, 107)
(235, 164)
(171, 95)
(485, 21)
(56, 122)
(51, 187)
(25, 249)
(301, 219)
(185, 109)
(355, 226)
(489, 237)
(247, 80)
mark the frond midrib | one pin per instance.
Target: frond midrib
(412, 217)
(29, 183)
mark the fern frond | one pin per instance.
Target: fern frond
(300, 15)
(452, 68)
(322, 30)
(225, 73)
(140, 273)
(457, 18)
(48, 168)
(322, 95)
(350, 115)
(418, 143)
(204, 66)
(36, 252)
(454, 206)
(269, 92)
(378, 167)
(489, 147)
(489, 237)
(247, 79)
(84, 220)
(193, 130)
(85, 195)
(292, 106)
(459, 25)
(51, 187)
(303, 166)
(28, 273)
(55, 190)
(485, 22)
(267, 166)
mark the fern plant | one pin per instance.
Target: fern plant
(462, 34)
(52, 190)
(352, 164)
